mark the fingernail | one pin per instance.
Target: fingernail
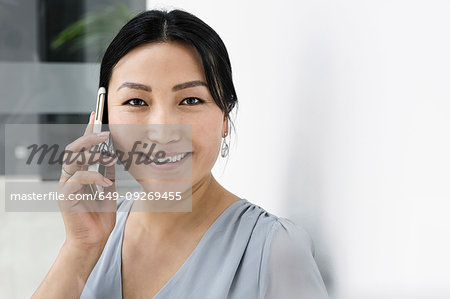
(107, 181)
(113, 161)
(90, 116)
(103, 134)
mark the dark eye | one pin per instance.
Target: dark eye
(135, 102)
(193, 101)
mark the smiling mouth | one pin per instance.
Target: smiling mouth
(168, 159)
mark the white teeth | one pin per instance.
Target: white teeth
(172, 159)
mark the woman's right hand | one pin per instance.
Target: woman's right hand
(88, 223)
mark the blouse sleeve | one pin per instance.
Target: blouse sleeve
(290, 270)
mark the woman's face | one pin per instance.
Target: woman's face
(150, 85)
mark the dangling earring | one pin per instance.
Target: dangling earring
(224, 148)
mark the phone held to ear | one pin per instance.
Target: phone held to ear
(99, 108)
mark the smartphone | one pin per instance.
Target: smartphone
(99, 108)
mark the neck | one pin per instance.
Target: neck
(208, 199)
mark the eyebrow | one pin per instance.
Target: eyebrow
(175, 88)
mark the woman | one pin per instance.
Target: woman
(227, 247)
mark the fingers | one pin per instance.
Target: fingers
(87, 158)
(81, 178)
(81, 162)
(90, 126)
(78, 153)
(77, 157)
(87, 141)
(79, 184)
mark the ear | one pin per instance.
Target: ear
(225, 127)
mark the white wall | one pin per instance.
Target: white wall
(343, 126)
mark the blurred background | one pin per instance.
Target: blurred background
(343, 127)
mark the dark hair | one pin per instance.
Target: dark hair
(176, 25)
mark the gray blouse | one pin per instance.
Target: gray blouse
(246, 253)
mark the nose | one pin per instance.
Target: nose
(163, 126)
(163, 133)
